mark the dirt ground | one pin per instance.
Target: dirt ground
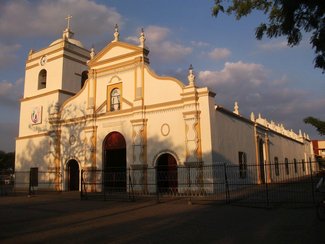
(63, 217)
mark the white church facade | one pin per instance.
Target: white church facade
(109, 111)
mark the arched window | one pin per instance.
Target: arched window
(84, 77)
(42, 79)
(115, 99)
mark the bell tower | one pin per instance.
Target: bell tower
(52, 75)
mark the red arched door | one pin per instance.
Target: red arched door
(167, 173)
(114, 162)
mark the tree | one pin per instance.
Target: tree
(7, 160)
(320, 125)
(289, 18)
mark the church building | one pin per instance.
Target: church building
(110, 111)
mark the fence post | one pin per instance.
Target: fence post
(157, 188)
(30, 184)
(33, 180)
(131, 189)
(189, 185)
(82, 184)
(266, 185)
(226, 184)
(312, 181)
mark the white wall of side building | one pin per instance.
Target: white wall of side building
(233, 134)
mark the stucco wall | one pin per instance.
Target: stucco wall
(232, 136)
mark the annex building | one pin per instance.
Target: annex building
(109, 111)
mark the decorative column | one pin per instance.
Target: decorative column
(191, 120)
(191, 117)
(92, 88)
(90, 154)
(256, 139)
(267, 158)
(90, 147)
(55, 138)
(139, 146)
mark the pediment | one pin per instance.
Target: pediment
(115, 51)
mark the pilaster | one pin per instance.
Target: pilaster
(139, 146)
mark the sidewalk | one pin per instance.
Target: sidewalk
(63, 217)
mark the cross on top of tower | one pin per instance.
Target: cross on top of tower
(68, 19)
(67, 33)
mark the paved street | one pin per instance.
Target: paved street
(62, 217)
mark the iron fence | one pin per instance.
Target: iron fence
(267, 185)
(30, 182)
(6, 182)
(235, 184)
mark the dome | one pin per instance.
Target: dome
(71, 40)
(75, 42)
(66, 35)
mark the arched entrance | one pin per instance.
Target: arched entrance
(261, 161)
(167, 180)
(73, 175)
(114, 162)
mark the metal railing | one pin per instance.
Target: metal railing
(267, 185)
(291, 183)
(27, 182)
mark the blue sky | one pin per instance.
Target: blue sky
(265, 76)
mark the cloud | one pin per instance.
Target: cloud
(162, 50)
(239, 81)
(200, 44)
(219, 53)
(10, 93)
(169, 51)
(235, 73)
(271, 46)
(8, 54)
(156, 34)
(47, 18)
(275, 98)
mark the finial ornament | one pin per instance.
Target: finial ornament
(236, 108)
(191, 76)
(142, 39)
(92, 52)
(252, 116)
(116, 34)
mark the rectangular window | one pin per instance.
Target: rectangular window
(303, 165)
(242, 165)
(276, 166)
(295, 165)
(286, 164)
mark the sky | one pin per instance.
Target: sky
(266, 76)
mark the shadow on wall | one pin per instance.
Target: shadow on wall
(43, 150)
